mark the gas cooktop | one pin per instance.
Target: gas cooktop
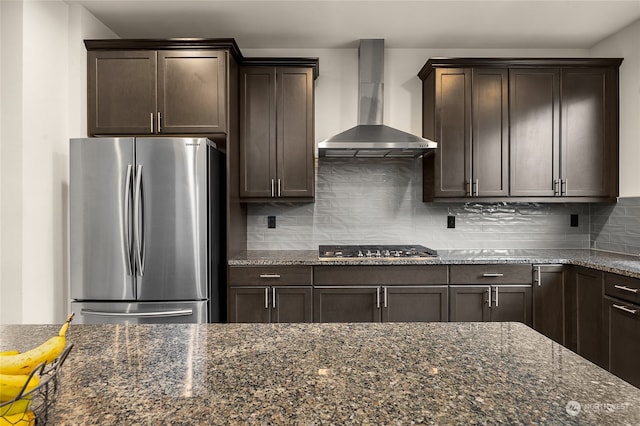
(375, 251)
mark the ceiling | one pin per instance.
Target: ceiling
(403, 24)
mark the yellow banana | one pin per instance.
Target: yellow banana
(21, 419)
(11, 352)
(12, 384)
(24, 363)
(16, 407)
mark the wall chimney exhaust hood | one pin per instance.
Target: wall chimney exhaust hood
(370, 138)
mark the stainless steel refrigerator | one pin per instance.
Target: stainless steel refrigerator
(145, 238)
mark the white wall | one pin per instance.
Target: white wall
(43, 99)
(625, 44)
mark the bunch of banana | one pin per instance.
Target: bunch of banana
(17, 376)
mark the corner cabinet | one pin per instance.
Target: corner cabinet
(277, 131)
(146, 87)
(542, 130)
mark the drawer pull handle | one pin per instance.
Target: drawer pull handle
(624, 308)
(269, 275)
(625, 288)
(492, 275)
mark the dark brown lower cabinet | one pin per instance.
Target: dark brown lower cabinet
(589, 325)
(490, 303)
(549, 285)
(375, 304)
(346, 304)
(270, 304)
(622, 324)
(415, 304)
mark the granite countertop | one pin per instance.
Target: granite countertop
(595, 259)
(384, 373)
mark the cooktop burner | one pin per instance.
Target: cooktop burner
(375, 251)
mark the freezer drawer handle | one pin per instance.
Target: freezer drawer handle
(176, 313)
(624, 308)
(625, 288)
(492, 275)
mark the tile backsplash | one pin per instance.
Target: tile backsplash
(616, 227)
(374, 201)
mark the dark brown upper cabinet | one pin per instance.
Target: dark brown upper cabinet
(542, 130)
(148, 87)
(276, 133)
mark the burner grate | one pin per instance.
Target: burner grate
(375, 251)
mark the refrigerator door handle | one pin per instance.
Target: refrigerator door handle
(156, 314)
(138, 227)
(126, 217)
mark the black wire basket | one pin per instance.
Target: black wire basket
(41, 398)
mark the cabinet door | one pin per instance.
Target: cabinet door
(587, 133)
(295, 132)
(548, 300)
(249, 304)
(121, 92)
(191, 92)
(490, 140)
(453, 132)
(511, 303)
(346, 304)
(257, 131)
(590, 334)
(534, 131)
(415, 304)
(291, 304)
(469, 303)
(622, 322)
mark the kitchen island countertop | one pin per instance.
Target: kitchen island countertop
(385, 373)
(600, 260)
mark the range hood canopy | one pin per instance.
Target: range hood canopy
(370, 138)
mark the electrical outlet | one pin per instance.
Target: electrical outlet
(271, 221)
(574, 220)
(451, 221)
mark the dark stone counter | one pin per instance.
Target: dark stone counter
(384, 373)
(599, 260)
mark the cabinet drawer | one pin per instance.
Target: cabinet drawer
(621, 287)
(270, 275)
(490, 274)
(380, 275)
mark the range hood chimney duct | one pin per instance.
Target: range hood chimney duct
(371, 138)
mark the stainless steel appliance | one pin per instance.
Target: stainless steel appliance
(374, 251)
(145, 234)
(371, 138)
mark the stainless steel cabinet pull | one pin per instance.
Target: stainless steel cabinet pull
(273, 190)
(378, 297)
(273, 296)
(125, 217)
(496, 290)
(555, 187)
(151, 114)
(476, 185)
(266, 297)
(563, 187)
(489, 298)
(492, 274)
(269, 275)
(279, 188)
(624, 308)
(159, 118)
(539, 279)
(386, 298)
(625, 288)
